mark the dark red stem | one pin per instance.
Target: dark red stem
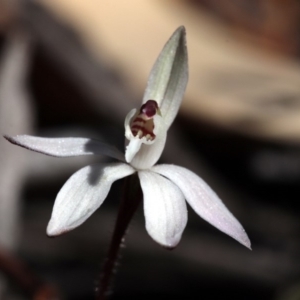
(129, 204)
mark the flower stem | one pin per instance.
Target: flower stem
(129, 203)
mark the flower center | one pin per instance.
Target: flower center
(142, 124)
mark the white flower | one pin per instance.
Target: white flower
(165, 187)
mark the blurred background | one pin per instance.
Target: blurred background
(75, 68)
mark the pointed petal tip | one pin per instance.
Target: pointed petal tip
(52, 230)
(14, 140)
(244, 240)
(167, 242)
(179, 38)
(181, 29)
(237, 232)
(170, 247)
(247, 243)
(9, 138)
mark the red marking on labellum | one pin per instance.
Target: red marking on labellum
(135, 129)
(139, 119)
(143, 125)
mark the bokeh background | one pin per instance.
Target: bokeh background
(75, 68)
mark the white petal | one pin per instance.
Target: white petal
(204, 201)
(164, 208)
(148, 154)
(82, 194)
(169, 75)
(64, 147)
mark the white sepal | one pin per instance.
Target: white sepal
(168, 78)
(164, 208)
(65, 147)
(82, 194)
(204, 201)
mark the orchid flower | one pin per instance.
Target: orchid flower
(166, 188)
